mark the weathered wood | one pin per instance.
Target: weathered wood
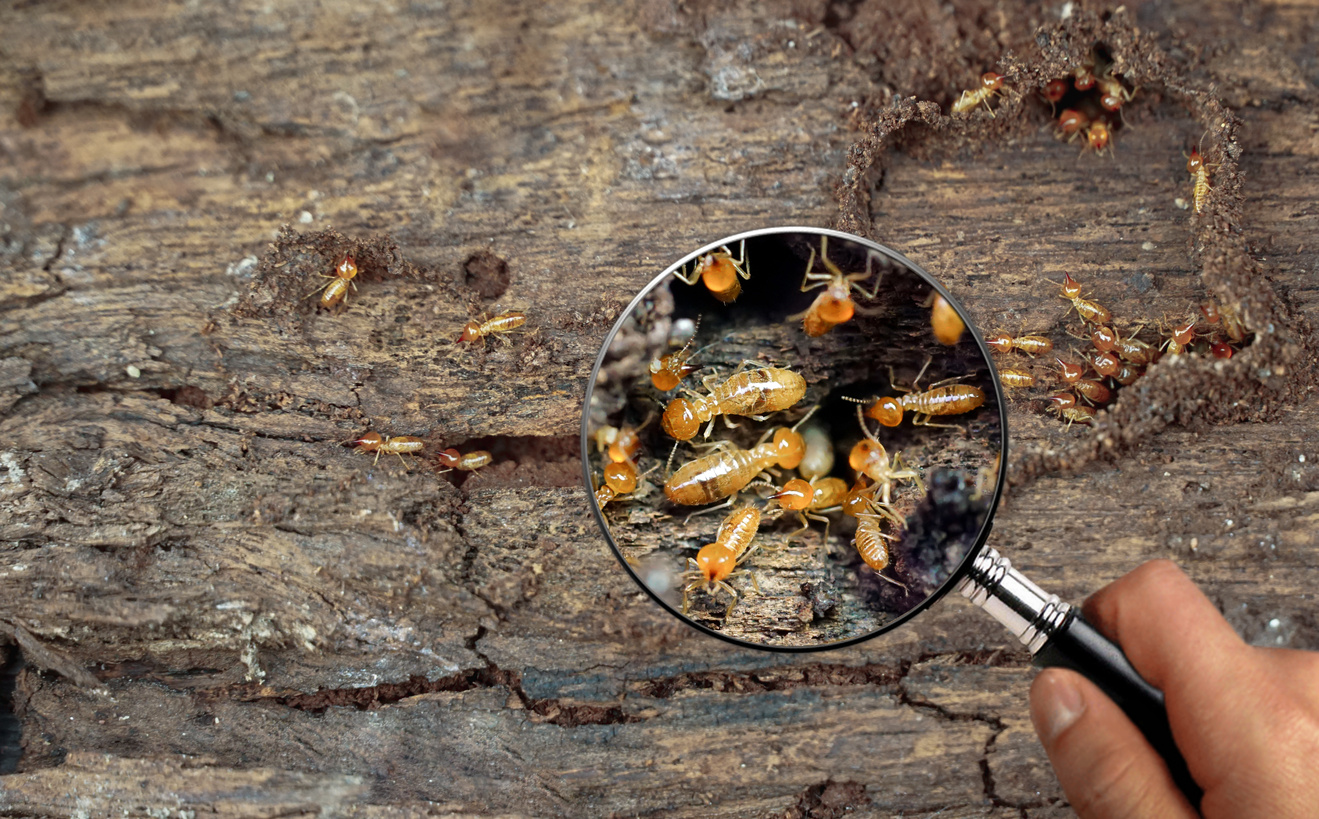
(181, 522)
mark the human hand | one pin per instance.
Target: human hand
(1246, 719)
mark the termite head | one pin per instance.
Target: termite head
(1097, 136)
(471, 332)
(451, 457)
(856, 501)
(999, 342)
(1111, 102)
(1071, 121)
(1210, 309)
(368, 442)
(1220, 349)
(795, 495)
(990, 81)
(715, 562)
(619, 476)
(1103, 338)
(1194, 162)
(1055, 90)
(947, 325)
(835, 304)
(1061, 401)
(1071, 373)
(719, 272)
(868, 455)
(1071, 287)
(1184, 334)
(887, 411)
(680, 420)
(347, 268)
(1085, 78)
(789, 447)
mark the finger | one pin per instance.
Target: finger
(1168, 629)
(1103, 762)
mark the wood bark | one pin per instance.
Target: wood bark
(222, 609)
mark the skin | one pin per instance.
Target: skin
(1246, 718)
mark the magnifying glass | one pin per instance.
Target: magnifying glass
(797, 440)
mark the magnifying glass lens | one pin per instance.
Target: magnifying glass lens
(795, 437)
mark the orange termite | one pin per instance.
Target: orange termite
(1180, 338)
(1220, 349)
(945, 322)
(1030, 345)
(1106, 363)
(752, 392)
(834, 306)
(1130, 349)
(809, 500)
(399, 445)
(1113, 92)
(621, 444)
(719, 270)
(1054, 91)
(502, 323)
(1127, 374)
(620, 479)
(1016, 379)
(1062, 401)
(857, 500)
(716, 562)
(336, 289)
(1069, 372)
(990, 84)
(468, 462)
(1214, 313)
(669, 371)
(1088, 310)
(944, 398)
(1097, 138)
(869, 542)
(730, 468)
(1084, 77)
(1092, 391)
(1071, 122)
(869, 458)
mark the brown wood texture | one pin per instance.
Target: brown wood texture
(224, 610)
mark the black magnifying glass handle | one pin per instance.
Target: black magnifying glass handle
(1059, 636)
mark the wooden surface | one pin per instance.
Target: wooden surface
(221, 608)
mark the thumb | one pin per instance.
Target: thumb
(1105, 765)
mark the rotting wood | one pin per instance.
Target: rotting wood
(197, 528)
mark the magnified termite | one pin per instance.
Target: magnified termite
(870, 544)
(749, 392)
(944, 321)
(990, 84)
(818, 460)
(503, 323)
(716, 562)
(811, 500)
(869, 458)
(729, 468)
(943, 398)
(1088, 310)
(336, 289)
(399, 445)
(620, 479)
(621, 443)
(720, 271)
(834, 306)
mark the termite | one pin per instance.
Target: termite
(1220, 349)
(990, 84)
(1130, 349)
(1075, 415)
(716, 562)
(1097, 138)
(869, 458)
(834, 306)
(669, 371)
(1054, 91)
(1069, 372)
(1062, 400)
(1232, 326)
(857, 500)
(719, 270)
(620, 479)
(1016, 379)
(399, 445)
(336, 289)
(468, 462)
(1105, 363)
(869, 542)
(1030, 345)
(502, 323)
(751, 392)
(728, 469)
(621, 444)
(1113, 92)
(809, 500)
(1088, 310)
(1180, 338)
(1092, 391)
(945, 322)
(944, 398)
(1195, 166)
(1071, 122)
(1084, 77)
(1127, 374)
(819, 458)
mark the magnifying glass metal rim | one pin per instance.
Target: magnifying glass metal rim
(953, 579)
